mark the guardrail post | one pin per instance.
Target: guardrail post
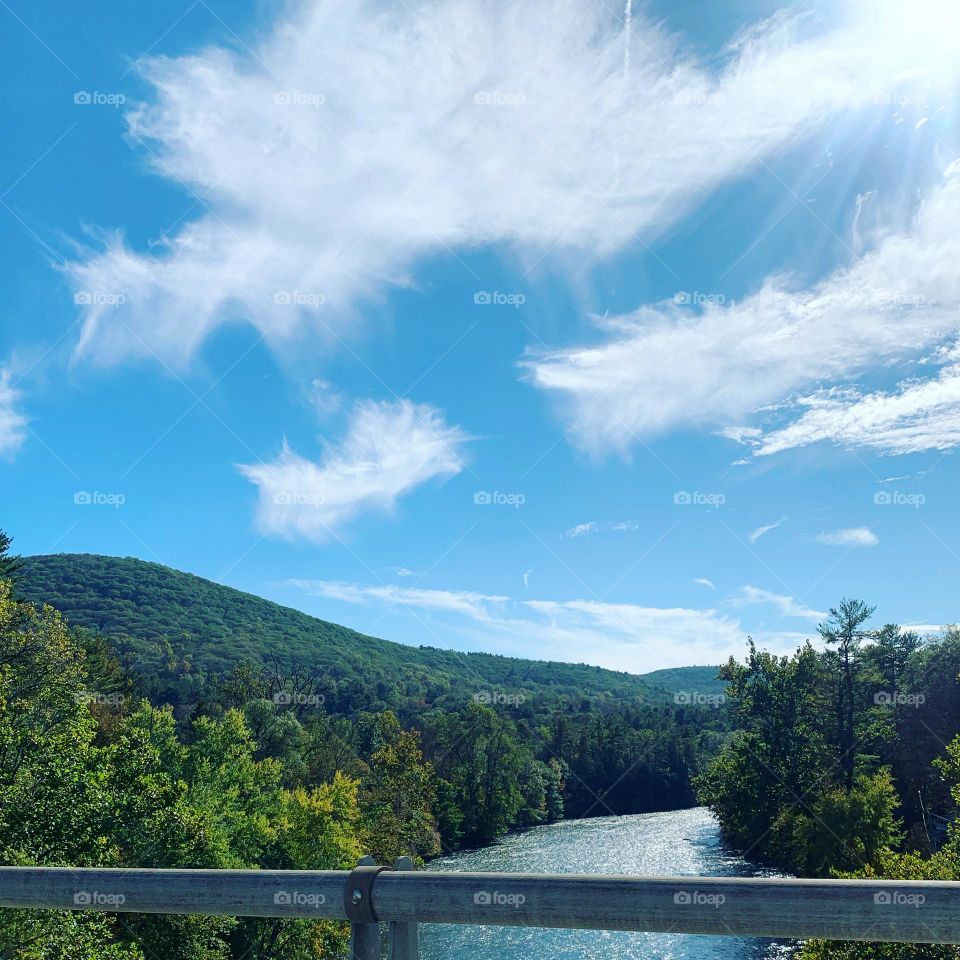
(358, 901)
(404, 937)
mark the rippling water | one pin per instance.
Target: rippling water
(679, 843)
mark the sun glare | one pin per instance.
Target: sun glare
(915, 26)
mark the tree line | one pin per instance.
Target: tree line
(263, 771)
(845, 760)
(842, 760)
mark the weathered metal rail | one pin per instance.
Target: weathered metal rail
(893, 911)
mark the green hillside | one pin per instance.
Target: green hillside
(274, 712)
(690, 680)
(177, 631)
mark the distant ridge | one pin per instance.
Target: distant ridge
(691, 680)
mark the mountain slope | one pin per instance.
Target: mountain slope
(177, 630)
(698, 681)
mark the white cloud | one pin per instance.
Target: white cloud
(358, 138)
(738, 358)
(784, 641)
(760, 531)
(627, 636)
(788, 606)
(476, 605)
(389, 449)
(849, 537)
(704, 582)
(12, 421)
(924, 629)
(920, 415)
(324, 397)
(585, 529)
(581, 530)
(620, 636)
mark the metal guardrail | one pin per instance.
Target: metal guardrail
(893, 911)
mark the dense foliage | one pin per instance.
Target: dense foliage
(846, 761)
(91, 776)
(617, 743)
(178, 723)
(280, 760)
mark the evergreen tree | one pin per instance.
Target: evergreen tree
(10, 565)
(844, 632)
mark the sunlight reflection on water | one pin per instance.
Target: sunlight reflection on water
(678, 843)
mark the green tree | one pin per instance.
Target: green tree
(478, 752)
(779, 753)
(890, 653)
(841, 830)
(843, 632)
(51, 795)
(398, 794)
(10, 565)
(318, 829)
(942, 865)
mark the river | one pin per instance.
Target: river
(677, 843)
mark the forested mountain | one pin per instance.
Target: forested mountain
(178, 631)
(623, 744)
(235, 733)
(298, 744)
(699, 681)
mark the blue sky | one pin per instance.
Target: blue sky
(549, 329)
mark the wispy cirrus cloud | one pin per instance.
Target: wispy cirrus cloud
(355, 139)
(849, 537)
(920, 415)
(925, 629)
(388, 450)
(478, 606)
(621, 636)
(761, 531)
(12, 421)
(580, 530)
(892, 303)
(786, 605)
(594, 526)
